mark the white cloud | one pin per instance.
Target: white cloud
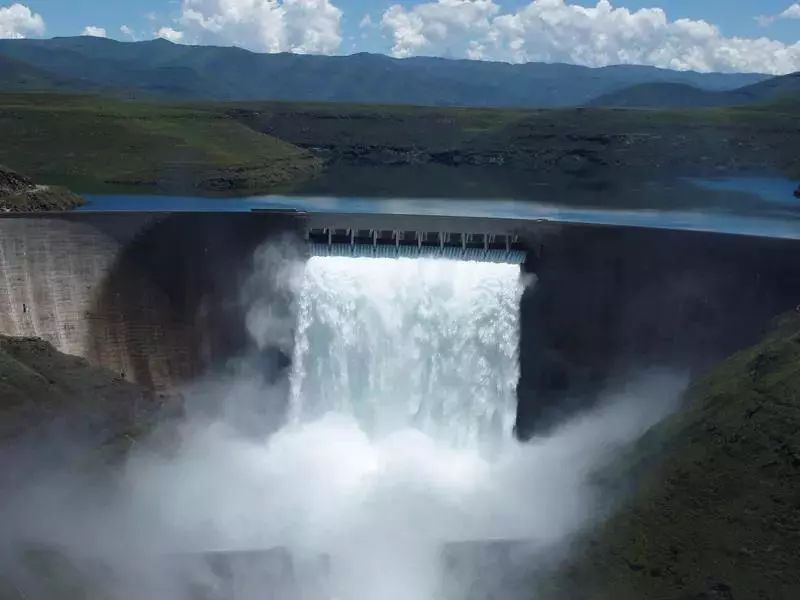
(128, 33)
(557, 31)
(170, 34)
(366, 22)
(793, 12)
(94, 31)
(17, 21)
(304, 26)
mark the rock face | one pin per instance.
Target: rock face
(12, 182)
(20, 194)
(797, 192)
(715, 513)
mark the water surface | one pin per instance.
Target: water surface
(747, 206)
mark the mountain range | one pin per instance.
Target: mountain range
(161, 69)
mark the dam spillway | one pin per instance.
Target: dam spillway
(155, 296)
(376, 243)
(429, 344)
(402, 372)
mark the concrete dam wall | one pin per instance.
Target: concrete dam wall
(154, 298)
(157, 297)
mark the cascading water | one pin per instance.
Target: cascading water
(424, 344)
(395, 471)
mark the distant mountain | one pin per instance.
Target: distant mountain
(679, 95)
(16, 75)
(160, 68)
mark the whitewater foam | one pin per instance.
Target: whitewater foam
(397, 343)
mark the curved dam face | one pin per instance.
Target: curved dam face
(158, 298)
(155, 298)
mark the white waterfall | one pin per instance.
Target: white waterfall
(402, 343)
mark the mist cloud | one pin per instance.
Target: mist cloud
(370, 512)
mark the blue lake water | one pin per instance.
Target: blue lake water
(774, 191)
(774, 211)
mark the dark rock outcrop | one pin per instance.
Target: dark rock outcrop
(18, 193)
(12, 182)
(797, 192)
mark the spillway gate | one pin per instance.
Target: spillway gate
(393, 243)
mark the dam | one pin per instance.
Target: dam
(156, 297)
(371, 378)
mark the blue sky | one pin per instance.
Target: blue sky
(470, 28)
(734, 17)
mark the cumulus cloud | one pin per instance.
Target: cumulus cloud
(439, 25)
(168, 33)
(303, 26)
(94, 31)
(793, 12)
(128, 33)
(558, 31)
(17, 21)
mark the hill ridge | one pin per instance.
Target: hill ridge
(160, 68)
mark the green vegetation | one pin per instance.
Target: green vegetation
(660, 95)
(39, 386)
(101, 144)
(91, 143)
(718, 518)
(542, 145)
(159, 69)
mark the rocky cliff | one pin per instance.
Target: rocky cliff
(20, 194)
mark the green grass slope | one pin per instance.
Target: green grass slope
(682, 95)
(615, 144)
(95, 144)
(40, 386)
(16, 75)
(653, 95)
(720, 517)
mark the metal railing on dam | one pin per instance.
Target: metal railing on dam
(394, 243)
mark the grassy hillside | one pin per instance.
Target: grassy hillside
(660, 94)
(16, 75)
(43, 390)
(719, 518)
(91, 143)
(609, 144)
(654, 95)
(158, 68)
